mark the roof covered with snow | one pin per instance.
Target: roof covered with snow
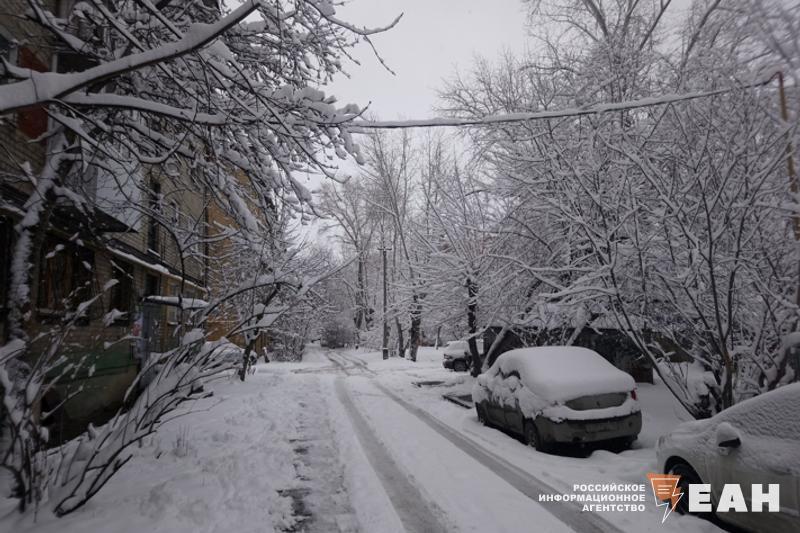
(561, 373)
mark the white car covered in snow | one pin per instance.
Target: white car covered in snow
(558, 394)
(457, 356)
(754, 442)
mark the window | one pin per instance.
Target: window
(65, 275)
(154, 203)
(32, 121)
(122, 293)
(151, 285)
(172, 310)
(176, 213)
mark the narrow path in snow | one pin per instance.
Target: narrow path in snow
(409, 504)
(321, 493)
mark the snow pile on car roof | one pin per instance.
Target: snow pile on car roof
(561, 373)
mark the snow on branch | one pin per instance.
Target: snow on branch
(145, 106)
(41, 87)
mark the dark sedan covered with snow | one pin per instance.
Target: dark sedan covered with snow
(558, 394)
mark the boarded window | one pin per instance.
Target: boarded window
(65, 275)
(32, 121)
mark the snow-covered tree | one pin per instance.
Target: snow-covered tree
(228, 102)
(668, 261)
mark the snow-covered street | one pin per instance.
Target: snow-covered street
(345, 441)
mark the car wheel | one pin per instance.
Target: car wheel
(481, 414)
(533, 439)
(688, 477)
(460, 366)
(621, 444)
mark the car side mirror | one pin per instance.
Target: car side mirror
(728, 437)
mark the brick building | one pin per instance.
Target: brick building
(221, 253)
(80, 253)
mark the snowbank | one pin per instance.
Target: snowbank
(227, 466)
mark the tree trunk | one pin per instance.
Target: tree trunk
(472, 325)
(361, 300)
(413, 332)
(493, 351)
(385, 341)
(727, 384)
(401, 344)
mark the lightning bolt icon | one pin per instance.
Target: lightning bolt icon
(666, 491)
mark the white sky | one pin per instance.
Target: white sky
(431, 40)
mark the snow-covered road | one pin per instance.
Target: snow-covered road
(475, 478)
(457, 477)
(414, 512)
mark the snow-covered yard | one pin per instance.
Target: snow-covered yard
(234, 463)
(346, 441)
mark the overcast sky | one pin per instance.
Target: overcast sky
(431, 40)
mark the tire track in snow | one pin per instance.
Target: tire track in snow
(568, 513)
(406, 499)
(341, 361)
(529, 485)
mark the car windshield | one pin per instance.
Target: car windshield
(773, 413)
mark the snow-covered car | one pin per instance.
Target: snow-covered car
(457, 356)
(756, 441)
(558, 394)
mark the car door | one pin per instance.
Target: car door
(768, 453)
(495, 408)
(514, 418)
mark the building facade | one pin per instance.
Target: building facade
(145, 233)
